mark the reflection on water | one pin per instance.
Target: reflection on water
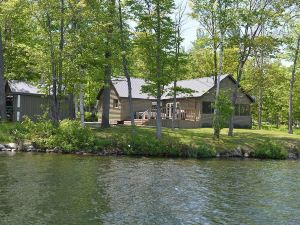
(68, 189)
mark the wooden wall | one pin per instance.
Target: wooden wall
(34, 106)
(114, 113)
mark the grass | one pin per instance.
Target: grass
(5, 135)
(245, 138)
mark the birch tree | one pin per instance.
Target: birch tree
(292, 82)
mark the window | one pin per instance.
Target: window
(154, 106)
(242, 110)
(116, 103)
(207, 108)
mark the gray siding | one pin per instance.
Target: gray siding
(139, 105)
(114, 113)
(34, 106)
(226, 85)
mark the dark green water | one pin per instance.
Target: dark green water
(66, 189)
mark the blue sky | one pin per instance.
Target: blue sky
(190, 26)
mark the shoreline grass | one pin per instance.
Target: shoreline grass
(245, 138)
(185, 143)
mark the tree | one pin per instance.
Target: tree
(125, 61)
(153, 40)
(108, 65)
(17, 55)
(250, 17)
(178, 57)
(292, 82)
(2, 82)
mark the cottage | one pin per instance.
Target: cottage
(192, 110)
(25, 99)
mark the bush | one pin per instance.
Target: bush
(71, 136)
(67, 136)
(170, 147)
(270, 150)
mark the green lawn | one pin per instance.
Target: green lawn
(5, 136)
(245, 138)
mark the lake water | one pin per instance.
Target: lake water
(67, 189)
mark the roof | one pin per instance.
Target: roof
(121, 87)
(23, 87)
(198, 86)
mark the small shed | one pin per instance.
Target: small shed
(25, 99)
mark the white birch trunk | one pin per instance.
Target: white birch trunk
(81, 105)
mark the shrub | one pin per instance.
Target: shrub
(71, 136)
(171, 147)
(270, 150)
(67, 136)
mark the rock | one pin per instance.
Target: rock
(88, 154)
(246, 154)
(237, 153)
(292, 155)
(50, 150)
(2, 147)
(218, 155)
(30, 148)
(11, 145)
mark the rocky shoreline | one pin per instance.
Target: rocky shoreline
(236, 153)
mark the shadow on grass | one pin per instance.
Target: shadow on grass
(204, 136)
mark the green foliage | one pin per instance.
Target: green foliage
(224, 110)
(270, 150)
(68, 136)
(71, 136)
(5, 132)
(165, 147)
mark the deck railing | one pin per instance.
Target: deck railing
(167, 113)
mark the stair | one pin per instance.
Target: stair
(138, 122)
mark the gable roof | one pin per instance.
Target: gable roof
(22, 87)
(199, 87)
(121, 87)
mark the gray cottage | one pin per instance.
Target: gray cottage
(192, 110)
(25, 99)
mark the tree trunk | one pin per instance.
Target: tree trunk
(292, 82)
(174, 105)
(3, 115)
(107, 71)
(71, 106)
(177, 51)
(215, 47)
(217, 127)
(76, 106)
(234, 95)
(158, 70)
(61, 49)
(125, 65)
(81, 105)
(54, 110)
(260, 95)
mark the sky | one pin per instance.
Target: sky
(189, 27)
